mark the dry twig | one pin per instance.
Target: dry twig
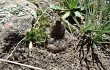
(13, 62)
(41, 16)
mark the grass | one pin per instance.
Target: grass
(97, 21)
(95, 30)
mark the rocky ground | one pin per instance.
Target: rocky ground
(15, 19)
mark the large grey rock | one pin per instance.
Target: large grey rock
(15, 17)
(17, 14)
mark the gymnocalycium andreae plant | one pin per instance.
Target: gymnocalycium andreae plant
(37, 34)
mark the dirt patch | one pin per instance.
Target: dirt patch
(58, 55)
(66, 59)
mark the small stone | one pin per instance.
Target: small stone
(52, 48)
(51, 40)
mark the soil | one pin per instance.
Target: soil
(62, 54)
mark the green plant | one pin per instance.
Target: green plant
(70, 10)
(36, 36)
(45, 22)
(95, 32)
(31, 35)
(38, 12)
(97, 22)
(96, 29)
(37, 33)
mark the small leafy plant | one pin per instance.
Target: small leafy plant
(43, 21)
(69, 11)
(31, 35)
(36, 36)
(70, 8)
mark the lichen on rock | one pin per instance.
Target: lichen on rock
(19, 13)
(11, 10)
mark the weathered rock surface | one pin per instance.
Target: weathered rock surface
(18, 13)
(16, 17)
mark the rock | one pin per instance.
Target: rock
(53, 48)
(16, 16)
(59, 48)
(51, 40)
(56, 46)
